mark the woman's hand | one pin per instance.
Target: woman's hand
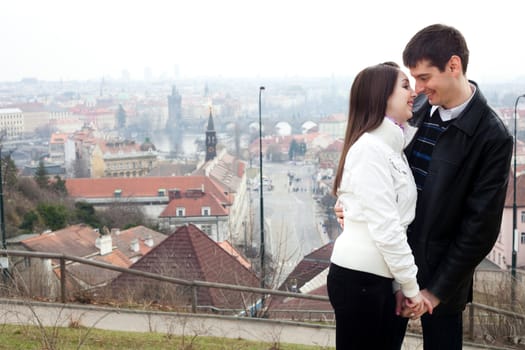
(416, 306)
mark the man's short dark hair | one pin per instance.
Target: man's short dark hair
(436, 43)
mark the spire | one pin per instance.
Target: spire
(211, 139)
(210, 122)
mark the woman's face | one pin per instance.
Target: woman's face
(400, 103)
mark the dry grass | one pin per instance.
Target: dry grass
(29, 337)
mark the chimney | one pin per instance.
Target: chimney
(104, 244)
(134, 245)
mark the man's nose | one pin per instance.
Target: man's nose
(420, 87)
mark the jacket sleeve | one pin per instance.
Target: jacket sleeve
(372, 183)
(481, 220)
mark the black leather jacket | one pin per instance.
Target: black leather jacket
(459, 210)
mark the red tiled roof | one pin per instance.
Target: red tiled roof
(83, 135)
(140, 186)
(116, 257)
(58, 138)
(76, 240)
(225, 169)
(311, 265)
(235, 253)
(95, 276)
(307, 270)
(167, 168)
(124, 147)
(80, 240)
(190, 254)
(193, 206)
(122, 240)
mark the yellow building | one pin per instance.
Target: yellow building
(122, 159)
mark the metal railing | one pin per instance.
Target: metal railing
(62, 258)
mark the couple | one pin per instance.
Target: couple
(399, 257)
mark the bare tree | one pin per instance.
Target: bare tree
(122, 215)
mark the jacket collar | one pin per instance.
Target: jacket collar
(469, 119)
(391, 134)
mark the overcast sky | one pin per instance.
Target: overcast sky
(65, 39)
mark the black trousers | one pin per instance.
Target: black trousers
(440, 332)
(364, 307)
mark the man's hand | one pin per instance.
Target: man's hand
(414, 308)
(430, 297)
(418, 306)
(338, 210)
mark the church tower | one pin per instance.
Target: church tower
(211, 140)
(174, 126)
(174, 109)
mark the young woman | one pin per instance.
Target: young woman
(371, 261)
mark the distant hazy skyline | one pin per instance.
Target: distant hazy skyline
(88, 40)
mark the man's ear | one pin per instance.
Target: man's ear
(454, 65)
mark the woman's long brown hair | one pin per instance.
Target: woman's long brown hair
(368, 101)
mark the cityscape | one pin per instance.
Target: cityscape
(180, 158)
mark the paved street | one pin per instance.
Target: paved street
(292, 222)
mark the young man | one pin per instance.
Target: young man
(460, 157)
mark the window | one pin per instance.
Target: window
(162, 192)
(206, 229)
(205, 211)
(523, 216)
(118, 193)
(181, 211)
(523, 238)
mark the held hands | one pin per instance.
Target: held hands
(416, 306)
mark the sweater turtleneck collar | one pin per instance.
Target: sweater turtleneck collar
(391, 133)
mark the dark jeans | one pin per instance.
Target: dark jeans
(364, 308)
(440, 332)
